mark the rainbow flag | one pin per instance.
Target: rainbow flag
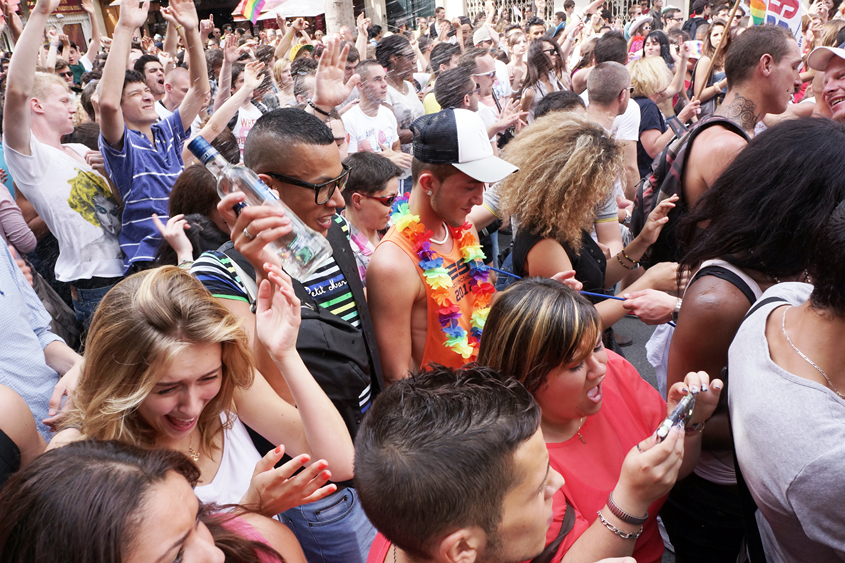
(250, 9)
(758, 11)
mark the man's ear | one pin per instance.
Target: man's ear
(461, 546)
(35, 105)
(428, 182)
(764, 66)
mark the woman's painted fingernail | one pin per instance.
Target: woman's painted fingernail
(703, 388)
(694, 389)
(279, 449)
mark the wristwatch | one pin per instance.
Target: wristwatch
(677, 310)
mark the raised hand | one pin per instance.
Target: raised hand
(264, 223)
(567, 278)
(330, 90)
(658, 218)
(299, 24)
(280, 21)
(181, 12)
(53, 36)
(207, 26)
(132, 14)
(277, 313)
(252, 75)
(273, 490)
(64, 40)
(174, 234)
(230, 49)
(361, 23)
(148, 44)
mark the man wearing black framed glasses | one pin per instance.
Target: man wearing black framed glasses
(295, 154)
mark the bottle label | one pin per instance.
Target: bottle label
(202, 149)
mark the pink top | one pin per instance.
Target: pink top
(245, 530)
(13, 227)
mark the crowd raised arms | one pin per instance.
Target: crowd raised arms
(276, 292)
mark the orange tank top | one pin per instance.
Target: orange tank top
(434, 350)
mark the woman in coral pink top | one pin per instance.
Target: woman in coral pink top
(599, 419)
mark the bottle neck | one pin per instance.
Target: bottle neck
(217, 164)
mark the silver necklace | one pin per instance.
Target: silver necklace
(431, 240)
(808, 360)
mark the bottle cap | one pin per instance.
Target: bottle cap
(202, 149)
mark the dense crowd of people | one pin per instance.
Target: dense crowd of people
(282, 295)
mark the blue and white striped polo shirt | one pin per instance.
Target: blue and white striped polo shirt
(144, 174)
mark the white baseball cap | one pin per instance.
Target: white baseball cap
(820, 57)
(459, 137)
(481, 34)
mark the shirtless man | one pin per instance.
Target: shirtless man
(452, 162)
(762, 72)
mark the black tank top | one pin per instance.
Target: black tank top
(589, 264)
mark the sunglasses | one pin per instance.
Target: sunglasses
(386, 201)
(324, 191)
(66, 74)
(550, 51)
(490, 74)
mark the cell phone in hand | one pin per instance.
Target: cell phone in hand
(680, 415)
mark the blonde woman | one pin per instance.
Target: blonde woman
(284, 83)
(650, 79)
(167, 366)
(598, 419)
(517, 69)
(568, 165)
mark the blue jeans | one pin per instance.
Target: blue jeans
(332, 530)
(405, 185)
(85, 302)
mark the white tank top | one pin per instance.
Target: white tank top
(718, 466)
(239, 458)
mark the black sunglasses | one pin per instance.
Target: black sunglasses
(323, 191)
(386, 201)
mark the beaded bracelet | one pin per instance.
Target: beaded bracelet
(315, 108)
(627, 267)
(617, 531)
(624, 516)
(628, 258)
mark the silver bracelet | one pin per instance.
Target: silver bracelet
(617, 531)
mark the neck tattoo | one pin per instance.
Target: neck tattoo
(742, 111)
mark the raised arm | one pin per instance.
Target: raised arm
(94, 46)
(314, 426)
(224, 81)
(20, 78)
(13, 20)
(362, 39)
(183, 14)
(132, 15)
(218, 121)
(290, 34)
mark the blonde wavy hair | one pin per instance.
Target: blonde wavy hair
(140, 327)
(649, 76)
(567, 165)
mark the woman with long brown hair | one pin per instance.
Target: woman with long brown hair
(168, 366)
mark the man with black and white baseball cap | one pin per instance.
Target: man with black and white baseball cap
(453, 160)
(831, 61)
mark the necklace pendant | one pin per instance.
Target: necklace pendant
(194, 455)
(583, 441)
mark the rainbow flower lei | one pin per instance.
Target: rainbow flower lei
(438, 279)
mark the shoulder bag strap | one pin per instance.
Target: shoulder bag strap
(550, 551)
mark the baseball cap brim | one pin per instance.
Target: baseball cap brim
(820, 57)
(490, 169)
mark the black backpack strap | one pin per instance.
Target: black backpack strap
(753, 541)
(566, 526)
(703, 125)
(727, 275)
(763, 302)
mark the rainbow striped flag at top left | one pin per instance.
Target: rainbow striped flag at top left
(758, 11)
(250, 9)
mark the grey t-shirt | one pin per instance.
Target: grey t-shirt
(790, 442)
